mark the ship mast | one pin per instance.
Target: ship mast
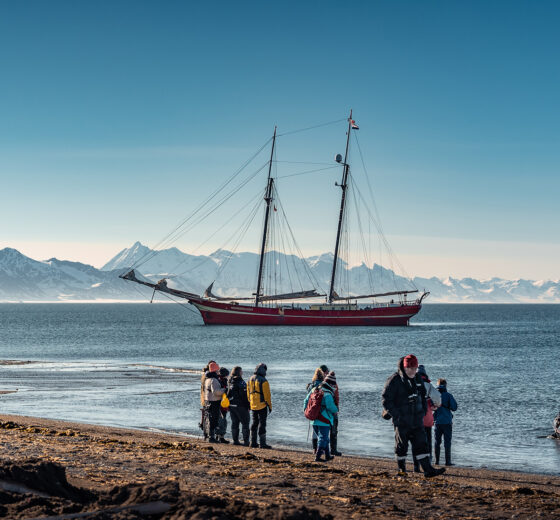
(268, 200)
(343, 185)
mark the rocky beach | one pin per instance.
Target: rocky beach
(68, 470)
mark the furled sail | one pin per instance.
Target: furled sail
(160, 286)
(362, 296)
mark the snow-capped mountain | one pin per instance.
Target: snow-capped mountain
(25, 279)
(22, 278)
(194, 273)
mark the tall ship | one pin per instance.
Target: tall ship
(316, 306)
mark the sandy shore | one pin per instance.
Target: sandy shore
(69, 470)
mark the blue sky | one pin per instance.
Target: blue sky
(117, 118)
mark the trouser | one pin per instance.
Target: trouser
(334, 432)
(239, 415)
(322, 433)
(259, 423)
(445, 431)
(428, 432)
(213, 416)
(222, 424)
(417, 438)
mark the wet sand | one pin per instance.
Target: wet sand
(67, 470)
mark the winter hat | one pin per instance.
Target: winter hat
(410, 361)
(324, 368)
(331, 379)
(224, 372)
(422, 371)
(213, 367)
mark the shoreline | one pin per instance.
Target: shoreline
(277, 446)
(191, 475)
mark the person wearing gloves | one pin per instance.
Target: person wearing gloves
(258, 392)
(404, 398)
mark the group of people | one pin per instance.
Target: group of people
(408, 398)
(222, 392)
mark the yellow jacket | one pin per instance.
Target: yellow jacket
(258, 392)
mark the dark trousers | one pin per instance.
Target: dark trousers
(334, 431)
(212, 417)
(416, 437)
(428, 432)
(239, 415)
(445, 431)
(259, 422)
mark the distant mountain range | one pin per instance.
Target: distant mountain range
(25, 279)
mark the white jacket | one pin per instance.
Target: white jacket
(432, 393)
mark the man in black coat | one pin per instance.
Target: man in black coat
(404, 398)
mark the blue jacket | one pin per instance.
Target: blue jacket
(328, 408)
(443, 414)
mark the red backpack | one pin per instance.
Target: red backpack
(313, 408)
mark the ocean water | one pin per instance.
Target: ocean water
(137, 365)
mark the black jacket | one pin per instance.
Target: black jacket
(405, 399)
(237, 392)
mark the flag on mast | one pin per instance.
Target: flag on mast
(354, 125)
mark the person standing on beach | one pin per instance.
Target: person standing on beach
(238, 406)
(556, 425)
(213, 392)
(203, 416)
(321, 399)
(334, 428)
(433, 398)
(330, 379)
(404, 398)
(443, 419)
(258, 393)
(223, 374)
(318, 378)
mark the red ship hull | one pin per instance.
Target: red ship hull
(218, 313)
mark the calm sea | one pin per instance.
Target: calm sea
(135, 365)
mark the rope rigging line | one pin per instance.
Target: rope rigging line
(307, 171)
(240, 235)
(310, 274)
(141, 260)
(311, 127)
(392, 255)
(364, 247)
(256, 197)
(212, 209)
(377, 222)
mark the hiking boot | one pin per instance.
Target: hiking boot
(429, 470)
(213, 439)
(222, 440)
(449, 464)
(416, 468)
(263, 444)
(402, 467)
(328, 455)
(334, 451)
(318, 454)
(246, 443)
(236, 443)
(314, 444)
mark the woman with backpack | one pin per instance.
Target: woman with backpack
(238, 406)
(319, 407)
